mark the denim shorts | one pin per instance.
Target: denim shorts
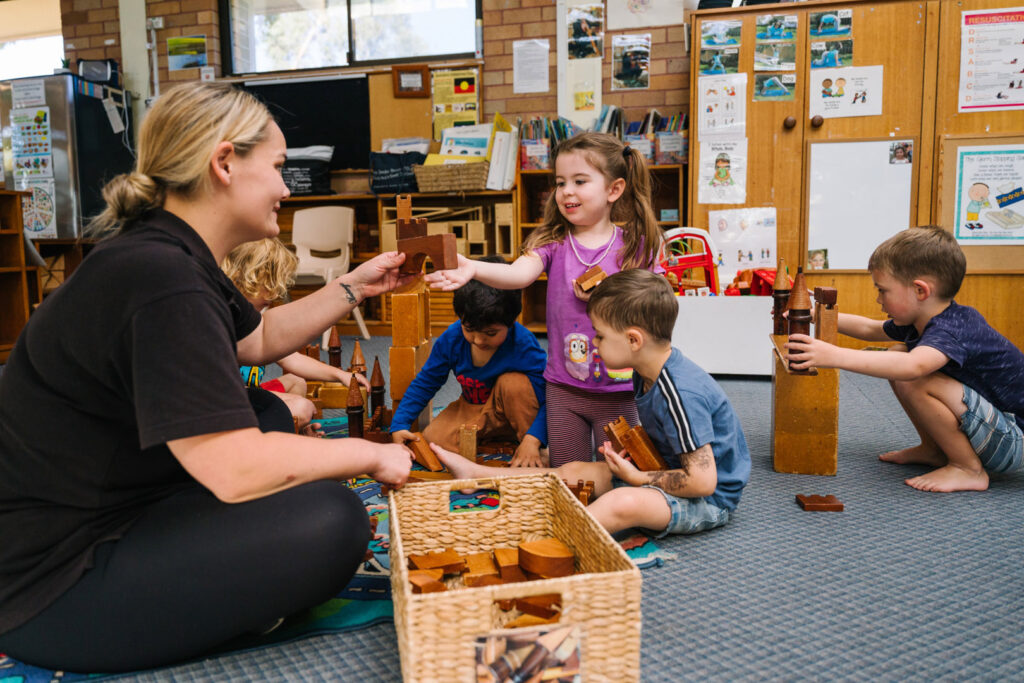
(995, 436)
(691, 515)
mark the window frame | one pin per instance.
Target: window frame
(228, 49)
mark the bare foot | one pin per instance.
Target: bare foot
(460, 467)
(950, 478)
(918, 455)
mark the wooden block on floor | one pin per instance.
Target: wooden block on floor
(827, 503)
(405, 362)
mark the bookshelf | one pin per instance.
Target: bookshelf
(19, 283)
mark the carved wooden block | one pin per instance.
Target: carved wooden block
(478, 566)
(377, 390)
(424, 455)
(313, 351)
(477, 580)
(543, 606)
(358, 362)
(634, 442)
(614, 431)
(826, 313)
(334, 395)
(547, 557)
(506, 559)
(424, 581)
(334, 348)
(592, 278)
(447, 560)
(827, 503)
(439, 248)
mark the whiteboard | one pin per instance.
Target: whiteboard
(857, 198)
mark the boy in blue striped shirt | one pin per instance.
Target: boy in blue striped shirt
(683, 410)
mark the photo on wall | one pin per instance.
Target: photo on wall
(831, 53)
(726, 61)
(775, 57)
(776, 27)
(720, 33)
(833, 23)
(817, 259)
(777, 87)
(631, 58)
(586, 31)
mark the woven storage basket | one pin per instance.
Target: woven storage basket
(449, 177)
(437, 632)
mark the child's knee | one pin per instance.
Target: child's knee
(514, 384)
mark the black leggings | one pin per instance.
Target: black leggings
(192, 573)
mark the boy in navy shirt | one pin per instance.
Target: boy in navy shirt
(683, 410)
(959, 380)
(500, 366)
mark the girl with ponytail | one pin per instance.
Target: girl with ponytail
(599, 215)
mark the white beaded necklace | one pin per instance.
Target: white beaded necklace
(572, 243)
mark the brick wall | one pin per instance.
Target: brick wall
(92, 30)
(506, 21)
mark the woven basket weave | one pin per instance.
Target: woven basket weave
(452, 177)
(437, 632)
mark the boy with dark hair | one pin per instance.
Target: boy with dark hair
(683, 410)
(958, 379)
(499, 364)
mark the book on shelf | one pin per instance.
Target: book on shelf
(534, 155)
(670, 147)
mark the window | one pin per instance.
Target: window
(31, 56)
(286, 35)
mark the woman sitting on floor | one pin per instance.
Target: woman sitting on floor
(147, 511)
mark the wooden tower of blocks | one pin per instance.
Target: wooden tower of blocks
(805, 407)
(410, 305)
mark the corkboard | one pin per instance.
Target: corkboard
(980, 258)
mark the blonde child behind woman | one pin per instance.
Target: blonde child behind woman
(599, 215)
(262, 271)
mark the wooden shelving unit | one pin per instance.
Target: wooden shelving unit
(19, 283)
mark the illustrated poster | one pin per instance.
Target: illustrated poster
(992, 59)
(722, 105)
(743, 238)
(722, 171)
(39, 211)
(990, 194)
(30, 143)
(849, 91)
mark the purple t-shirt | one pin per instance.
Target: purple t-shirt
(572, 358)
(979, 356)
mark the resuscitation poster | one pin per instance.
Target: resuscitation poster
(722, 171)
(455, 99)
(990, 194)
(992, 59)
(743, 238)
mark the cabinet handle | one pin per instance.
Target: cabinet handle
(816, 121)
(789, 122)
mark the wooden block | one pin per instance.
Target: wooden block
(447, 560)
(388, 236)
(481, 563)
(592, 278)
(477, 580)
(503, 213)
(424, 454)
(827, 503)
(439, 248)
(642, 450)
(409, 321)
(544, 606)
(547, 557)
(435, 574)
(318, 408)
(528, 620)
(475, 231)
(334, 395)
(405, 362)
(614, 431)
(827, 328)
(438, 228)
(805, 419)
(403, 206)
(426, 581)
(312, 388)
(467, 442)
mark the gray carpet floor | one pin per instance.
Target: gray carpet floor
(901, 586)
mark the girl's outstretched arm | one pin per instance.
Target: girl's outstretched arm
(522, 272)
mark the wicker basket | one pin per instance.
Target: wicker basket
(437, 632)
(452, 177)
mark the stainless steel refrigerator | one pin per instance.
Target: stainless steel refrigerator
(60, 141)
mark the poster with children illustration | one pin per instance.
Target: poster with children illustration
(743, 238)
(990, 194)
(722, 171)
(722, 105)
(847, 91)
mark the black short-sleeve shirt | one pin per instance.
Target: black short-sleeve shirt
(137, 348)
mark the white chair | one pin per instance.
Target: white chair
(327, 231)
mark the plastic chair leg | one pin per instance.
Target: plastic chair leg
(359, 321)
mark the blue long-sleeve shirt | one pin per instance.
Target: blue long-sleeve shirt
(520, 352)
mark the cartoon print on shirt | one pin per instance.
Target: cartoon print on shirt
(577, 355)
